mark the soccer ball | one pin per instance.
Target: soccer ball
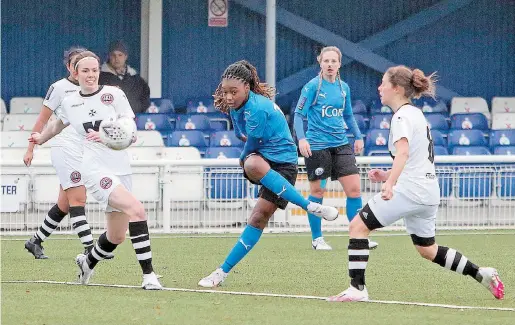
(117, 134)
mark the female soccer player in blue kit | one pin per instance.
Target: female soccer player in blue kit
(326, 103)
(269, 157)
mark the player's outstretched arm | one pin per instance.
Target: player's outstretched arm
(44, 116)
(51, 131)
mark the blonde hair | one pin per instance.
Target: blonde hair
(320, 77)
(414, 82)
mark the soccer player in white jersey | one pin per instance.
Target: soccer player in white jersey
(106, 172)
(410, 189)
(66, 155)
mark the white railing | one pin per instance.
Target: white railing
(211, 195)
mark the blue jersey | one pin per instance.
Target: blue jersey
(266, 129)
(329, 115)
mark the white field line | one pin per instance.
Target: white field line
(273, 295)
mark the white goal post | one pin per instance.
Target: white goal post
(211, 195)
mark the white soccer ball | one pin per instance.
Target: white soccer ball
(117, 134)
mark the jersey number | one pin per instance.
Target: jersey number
(91, 125)
(431, 147)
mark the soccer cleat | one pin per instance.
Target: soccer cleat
(85, 272)
(323, 211)
(35, 249)
(372, 244)
(150, 282)
(214, 279)
(492, 281)
(320, 244)
(351, 294)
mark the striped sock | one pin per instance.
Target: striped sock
(138, 231)
(455, 261)
(358, 259)
(52, 220)
(102, 249)
(80, 225)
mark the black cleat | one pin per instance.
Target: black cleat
(35, 249)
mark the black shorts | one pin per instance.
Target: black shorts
(288, 171)
(335, 162)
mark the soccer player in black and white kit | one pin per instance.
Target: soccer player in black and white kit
(66, 155)
(410, 189)
(107, 173)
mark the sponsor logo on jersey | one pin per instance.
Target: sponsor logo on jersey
(106, 183)
(77, 105)
(92, 112)
(70, 91)
(330, 111)
(107, 99)
(75, 177)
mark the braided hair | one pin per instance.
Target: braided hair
(246, 73)
(320, 77)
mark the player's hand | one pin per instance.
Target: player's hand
(27, 159)
(387, 191)
(305, 149)
(36, 138)
(377, 175)
(93, 136)
(358, 146)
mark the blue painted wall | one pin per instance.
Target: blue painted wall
(473, 49)
(36, 33)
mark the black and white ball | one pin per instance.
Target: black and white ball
(117, 134)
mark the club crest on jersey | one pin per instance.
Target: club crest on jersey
(107, 99)
(319, 171)
(75, 177)
(106, 183)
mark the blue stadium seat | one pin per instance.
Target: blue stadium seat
(438, 139)
(376, 142)
(377, 108)
(500, 138)
(192, 122)
(360, 121)
(429, 105)
(380, 121)
(441, 151)
(465, 138)
(470, 150)
(506, 190)
(358, 107)
(156, 121)
(161, 105)
(504, 150)
(223, 152)
(200, 105)
(445, 177)
(225, 185)
(476, 121)
(188, 138)
(474, 184)
(437, 121)
(225, 139)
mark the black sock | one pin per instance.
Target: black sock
(80, 225)
(138, 231)
(102, 248)
(358, 258)
(455, 261)
(52, 220)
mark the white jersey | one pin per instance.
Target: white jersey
(418, 178)
(53, 99)
(84, 112)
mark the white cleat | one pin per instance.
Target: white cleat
(351, 294)
(150, 282)
(214, 279)
(323, 211)
(492, 281)
(85, 272)
(372, 244)
(319, 244)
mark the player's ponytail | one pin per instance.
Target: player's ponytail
(414, 82)
(246, 73)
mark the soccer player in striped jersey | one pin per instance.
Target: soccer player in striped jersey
(66, 155)
(410, 189)
(325, 102)
(269, 157)
(107, 172)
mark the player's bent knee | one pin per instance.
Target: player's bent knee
(425, 246)
(256, 167)
(116, 237)
(137, 212)
(317, 192)
(358, 228)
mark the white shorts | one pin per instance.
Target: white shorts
(419, 219)
(102, 184)
(67, 163)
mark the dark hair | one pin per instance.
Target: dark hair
(71, 52)
(414, 82)
(247, 73)
(82, 55)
